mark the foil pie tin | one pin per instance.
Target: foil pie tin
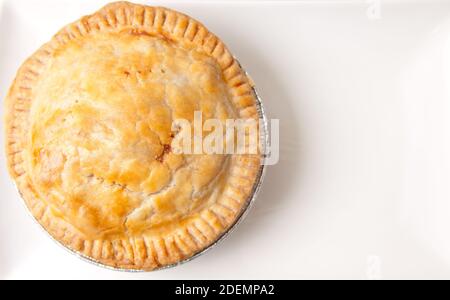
(264, 141)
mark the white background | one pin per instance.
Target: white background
(362, 189)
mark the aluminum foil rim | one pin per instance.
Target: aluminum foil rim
(244, 211)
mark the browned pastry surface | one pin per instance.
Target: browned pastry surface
(89, 121)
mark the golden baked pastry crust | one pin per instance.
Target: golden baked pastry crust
(88, 124)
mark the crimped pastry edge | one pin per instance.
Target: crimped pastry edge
(137, 253)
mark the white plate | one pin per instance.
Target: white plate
(362, 189)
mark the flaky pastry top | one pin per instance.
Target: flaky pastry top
(89, 133)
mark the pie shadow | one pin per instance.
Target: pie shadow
(280, 178)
